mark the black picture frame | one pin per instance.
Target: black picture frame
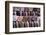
(7, 16)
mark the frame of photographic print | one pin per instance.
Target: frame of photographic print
(7, 16)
